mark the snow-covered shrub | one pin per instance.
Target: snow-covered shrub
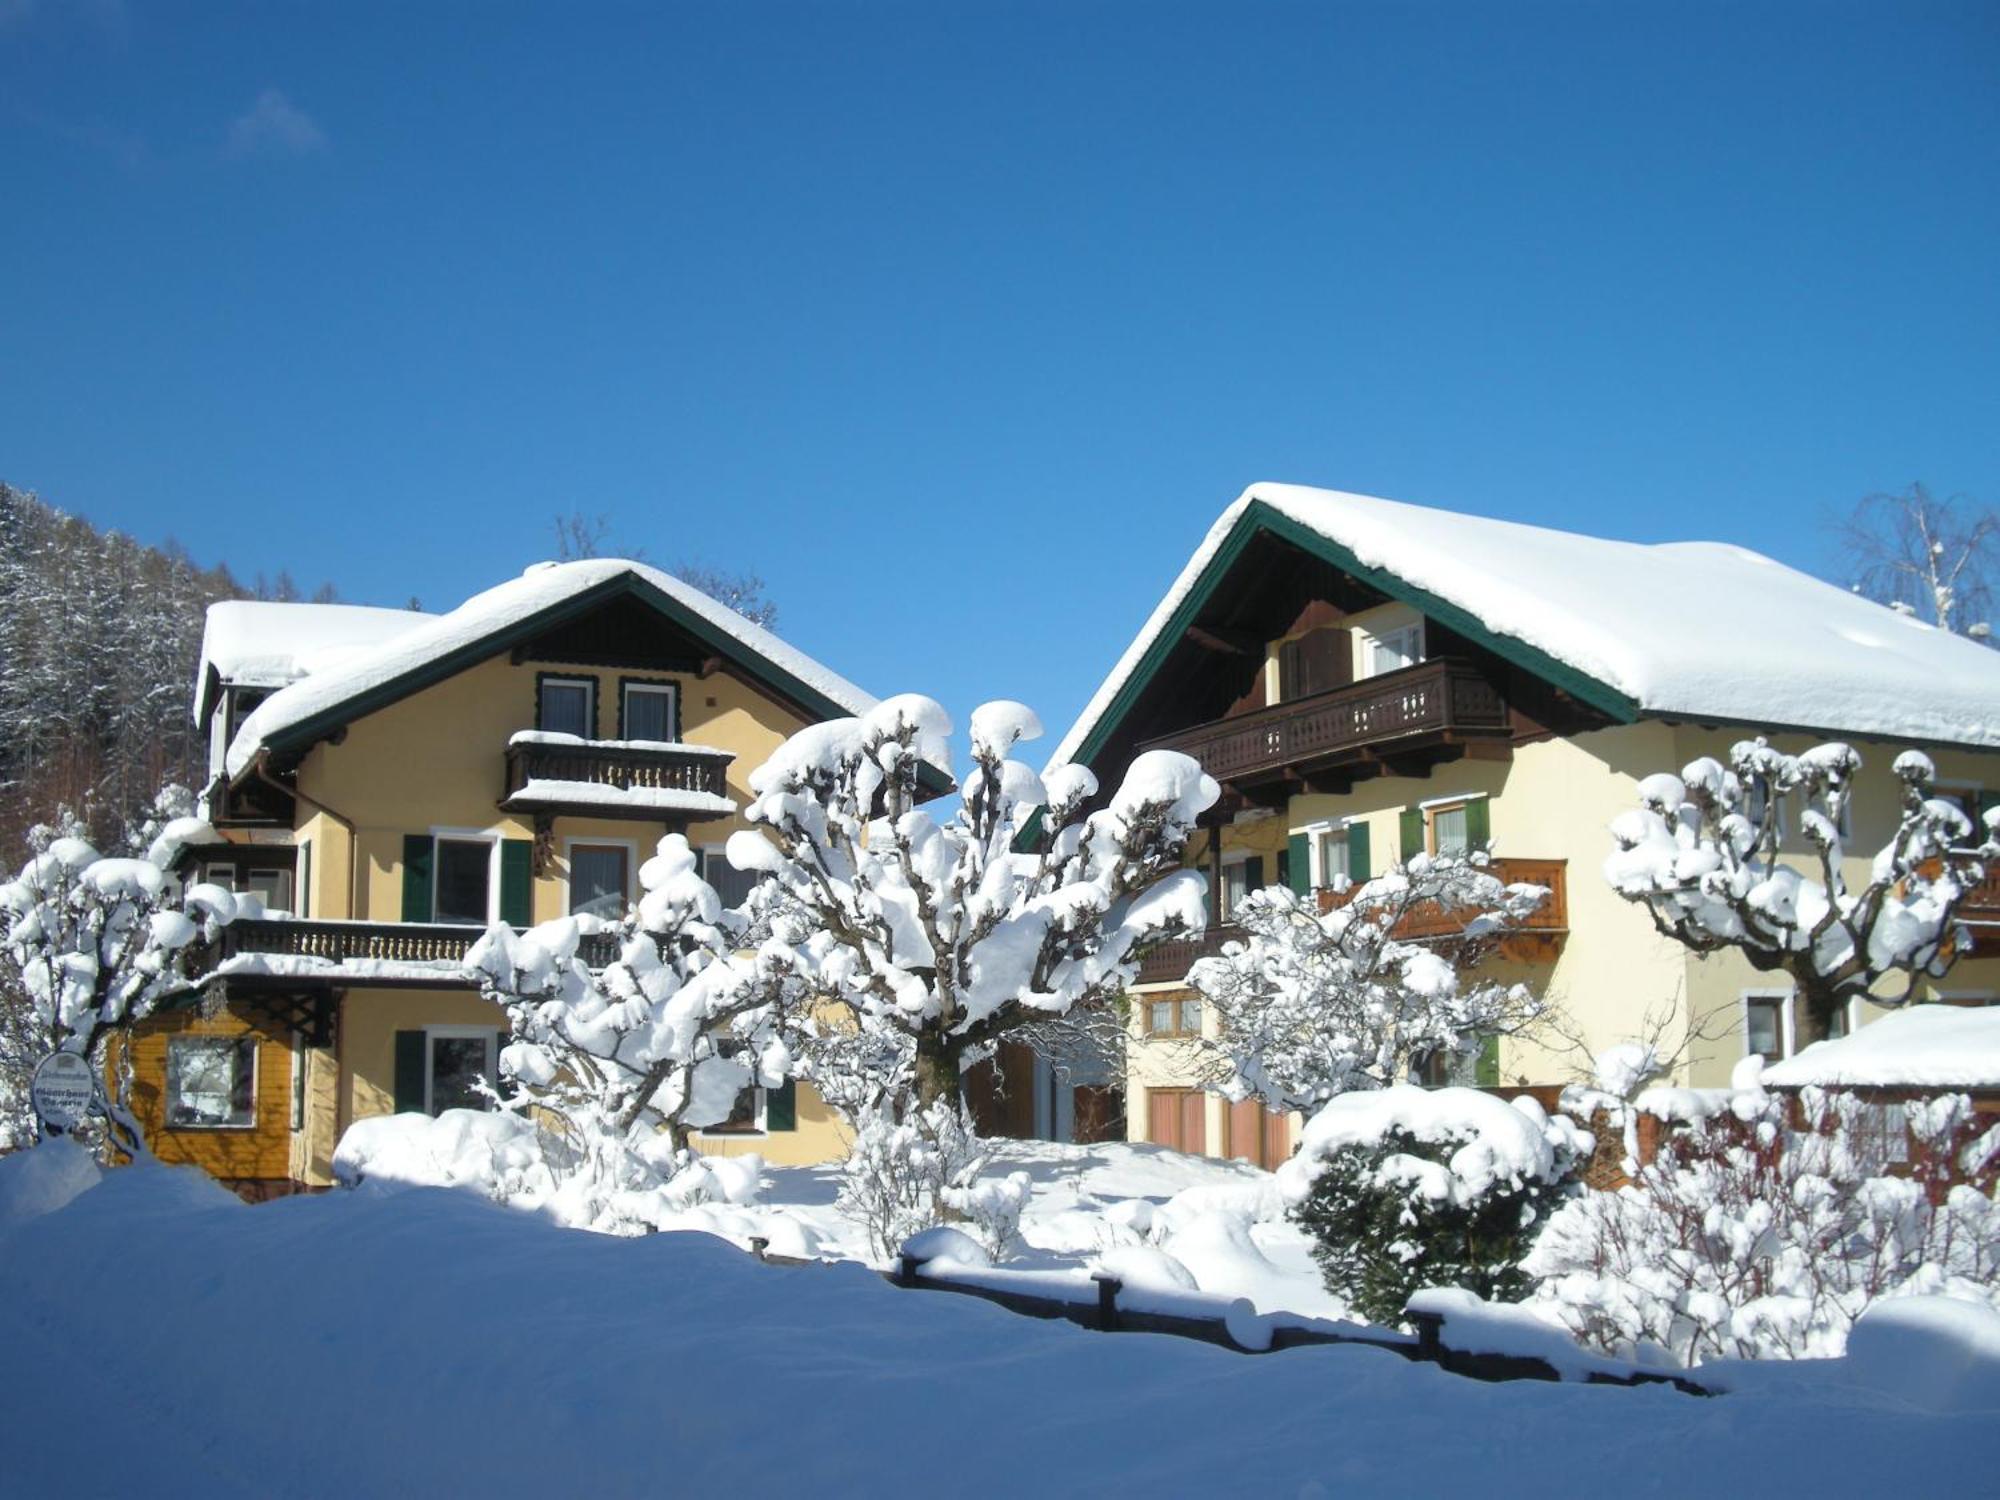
(1753, 1235)
(1702, 854)
(619, 1066)
(898, 1179)
(1314, 1003)
(93, 944)
(990, 1208)
(1405, 1188)
(935, 930)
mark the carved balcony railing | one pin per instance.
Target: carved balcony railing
(371, 950)
(1434, 700)
(620, 778)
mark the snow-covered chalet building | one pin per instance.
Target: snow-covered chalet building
(389, 783)
(1368, 679)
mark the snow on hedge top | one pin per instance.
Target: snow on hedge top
(1923, 1046)
(1492, 1139)
(254, 643)
(1702, 629)
(542, 587)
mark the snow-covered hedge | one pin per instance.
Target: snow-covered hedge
(1406, 1188)
(1755, 1234)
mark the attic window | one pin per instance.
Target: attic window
(1392, 650)
(567, 705)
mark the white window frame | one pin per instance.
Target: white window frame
(631, 848)
(302, 865)
(1237, 859)
(290, 875)
(1319, 877)
(1411, 630)
(671, 691)
(588, 684)
(468, 836)
(432, 1033)
(298, 1081)
(227, 878)
(1787, 1029)
(256, 1061)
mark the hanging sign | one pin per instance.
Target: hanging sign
(63, 1090)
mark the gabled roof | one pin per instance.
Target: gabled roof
(548, 594)
(1693, 630)
(257, 643)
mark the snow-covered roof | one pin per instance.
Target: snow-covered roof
(419, 656)
(255, 643)
(1922, 1046)
(1700, 630)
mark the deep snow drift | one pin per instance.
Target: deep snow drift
(170, 1340)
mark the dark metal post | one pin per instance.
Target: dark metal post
(1108, 1288)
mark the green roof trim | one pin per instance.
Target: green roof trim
(1260, 517)
(308, 732)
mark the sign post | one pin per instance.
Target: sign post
(63, 1091)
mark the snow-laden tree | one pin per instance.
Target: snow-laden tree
(95, 943)
(935, 930)
(1702, 855)
(622, 1064)
(1312, 1004)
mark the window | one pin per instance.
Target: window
(456, 1059)
(650, 712)
(746, 1115)
(272, 887)
(222, 875)
(731, 884)
(1332, 856)
(1392, 650)
(212, 1082)
(1236, 884)
(464, 881)
(1767, 1026)
(1449, 833)
(567, 705)
(1180, 1017)
(598, 881)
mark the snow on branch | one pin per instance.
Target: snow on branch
(1314, 1004)
(936, 930)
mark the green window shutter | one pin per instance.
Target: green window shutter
(1478, 823)
(417, 855)
(1297, 862)
(1410, 830)
(1487, 1074)
(1253, 873)
(409, 1071)
(517, 882)
(1358, 866)
(781, 1106)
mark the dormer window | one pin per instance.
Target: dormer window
(567, 705)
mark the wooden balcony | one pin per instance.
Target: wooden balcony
(558, 774)
(1169, 962)
(1980, 912)
(372, 950)
(1537, 940)
(1398, 721)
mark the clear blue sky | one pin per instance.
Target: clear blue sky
(959, 323)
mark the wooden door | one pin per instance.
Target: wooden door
(1259, 1136)
(1176, 1118)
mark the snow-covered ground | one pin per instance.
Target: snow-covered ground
(167, 1339)
(1221, 1220)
